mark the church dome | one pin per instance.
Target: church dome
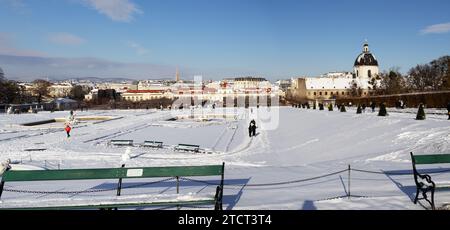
(366, 58)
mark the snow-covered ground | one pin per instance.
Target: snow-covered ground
(306, 144)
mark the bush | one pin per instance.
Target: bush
(420, 113)
(320, 106)
(330, 107)
(382, 111)
(359, 110)
(343, 110)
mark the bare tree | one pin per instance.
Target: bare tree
(41, 88)
(9, 92)
(355, 90)
(77, 92)
(442, 66)
(432, 76)
(423, 77)
(392, 82)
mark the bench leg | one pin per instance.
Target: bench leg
(218, 197)
(2, 184)
(417, 196)
(432, 200)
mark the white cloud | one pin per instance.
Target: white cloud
(17, 6)
(437, 29)
(66, 39)
(117, 10)
(9, 47)
(140, 50)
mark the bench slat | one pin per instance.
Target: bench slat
(112, 173)
(108, 202)
(432, 159)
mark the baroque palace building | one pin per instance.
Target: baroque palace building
(331, 86)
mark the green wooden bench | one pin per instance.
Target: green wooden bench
(153, 144)
(118, 201)
(121, 142)
(424, 183)
(188, 148)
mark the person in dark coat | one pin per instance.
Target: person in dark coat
(373, 107)
(252, 128)
(448, 110)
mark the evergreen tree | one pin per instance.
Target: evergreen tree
(359, 110)
(307, 105)
(420, 113)
(330, 107)
(314, 105)
(343, 110)
(320, 106)
(382, 111)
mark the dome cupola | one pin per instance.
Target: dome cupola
(366, 58)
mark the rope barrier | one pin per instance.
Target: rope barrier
(86, 191)
(268, 184)
(396, 173)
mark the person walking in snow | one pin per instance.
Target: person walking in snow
(252, 128)
(373, 107)
(68, 129)
(5, 166)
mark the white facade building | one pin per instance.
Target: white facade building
(339, 84)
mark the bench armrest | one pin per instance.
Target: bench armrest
(427, 178)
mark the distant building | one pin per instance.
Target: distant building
(65, 104)
(250, 82)
(145, 95)
(2, 74)
(118, 87)
(60, 90)
(335, 85)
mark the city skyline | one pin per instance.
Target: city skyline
(215, 39)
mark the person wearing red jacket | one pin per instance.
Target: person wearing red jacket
(68, 129)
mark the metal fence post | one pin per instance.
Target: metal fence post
(119, 186)
(178, 189)
(178, 185)
(349, 170)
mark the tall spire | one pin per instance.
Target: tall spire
(177, 76)
(366, 47)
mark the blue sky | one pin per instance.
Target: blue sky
(217, 38)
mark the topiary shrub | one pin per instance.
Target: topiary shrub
(343, 110)
(420, 113)
(359, 110)
(382, 111)
(320, 106)
(330, 107)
